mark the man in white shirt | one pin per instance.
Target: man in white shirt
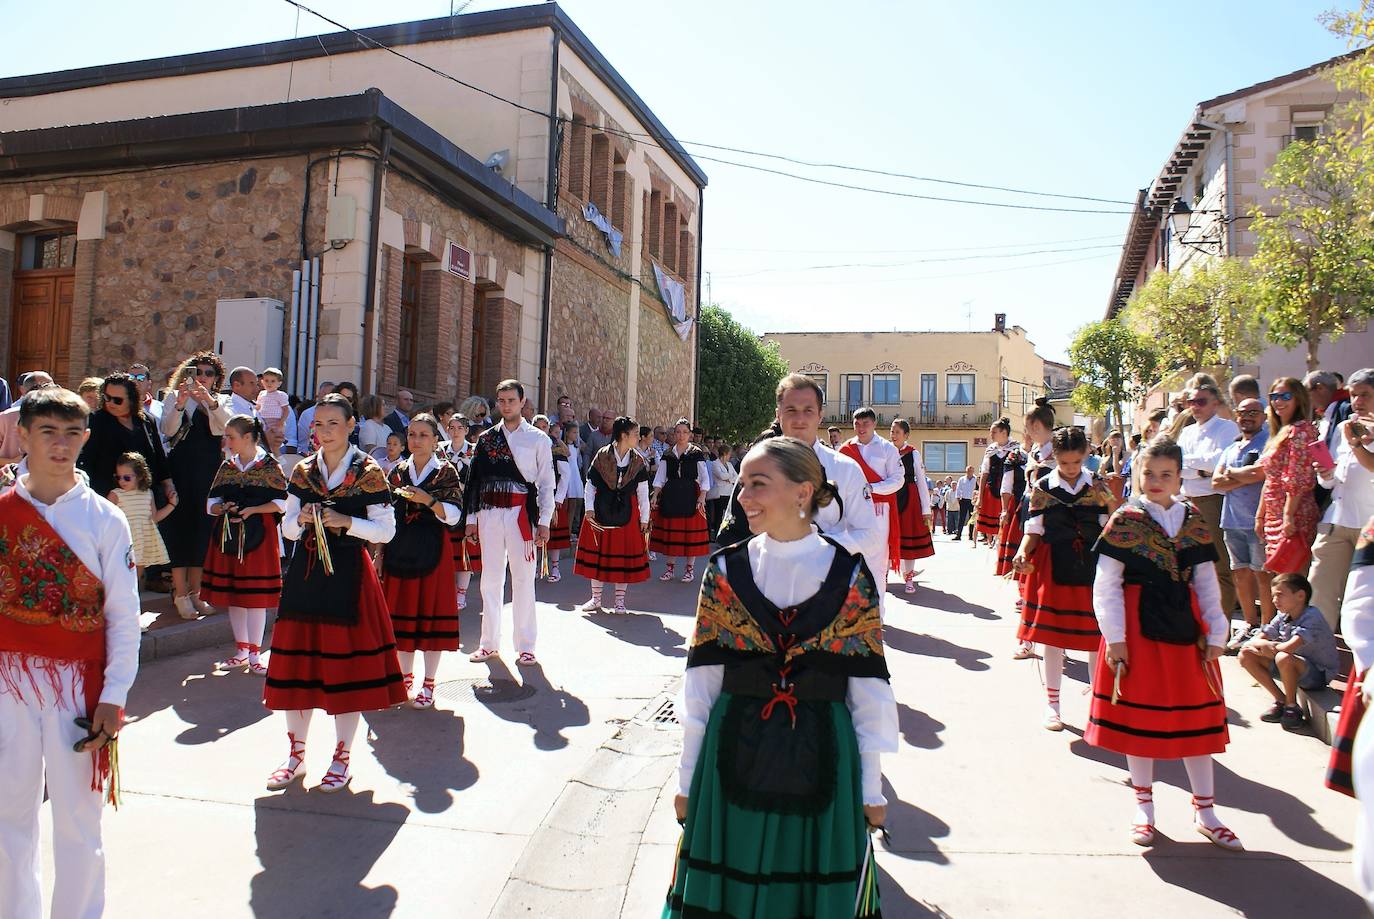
(1202, 445)
(1351, 482)
(67, 658)
(11, 450)
(509, 459)
(964, 490)
(849, 521)
(307, 415)
(882, 468)
(243, 391)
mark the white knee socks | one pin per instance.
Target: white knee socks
(1054, 675)
(1142, 770)
(345, 727)
(1200, 778)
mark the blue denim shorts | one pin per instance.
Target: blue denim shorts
(1245, 549)
(1311, 677)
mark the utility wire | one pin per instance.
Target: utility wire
(1044, 242)
(919, 261)
(641, 137)
(938, 277)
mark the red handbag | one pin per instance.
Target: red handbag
(1290, 556)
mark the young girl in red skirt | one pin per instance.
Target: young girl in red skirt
(1357, 628)
(560, 530)
(681, 485)
(610, 546)
(1063, 521)
(243, 562)
(1039, 423)
(333, 647)
(417, 565)
(1157, 690)
(990, 479)
(467, 553)
(913, 503)
(1009, 524)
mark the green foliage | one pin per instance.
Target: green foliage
(1114, 365)
(739, 376)
(1200, 318)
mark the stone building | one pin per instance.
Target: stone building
(950, 386)
(394, 225)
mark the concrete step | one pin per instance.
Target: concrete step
(167, 634)
(1323, 709)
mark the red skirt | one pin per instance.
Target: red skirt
(1168, 708)
(462, 546)
(916, 542)
(424, 610)
(1338, 774)
(254, 583)
(560, 532)
(1008, 541)
(337, 668)
(989, 512)
(614, 555)
(1058, 615)
(679, 537)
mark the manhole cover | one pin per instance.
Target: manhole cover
(487, 692)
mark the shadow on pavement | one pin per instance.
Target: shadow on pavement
(423, 750)
(305, 872)
(912, 831)
(950, 603)
(919, 729)
(1256, 884)
(641, 629)
(898, 904)
(548, 711)
(929, 646)
(213, 705)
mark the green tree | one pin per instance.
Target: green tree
(1114, 365)
(1199, 318)
(739, 376)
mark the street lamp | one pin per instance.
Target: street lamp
(1181, 221)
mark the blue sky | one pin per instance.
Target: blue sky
(1079, 98)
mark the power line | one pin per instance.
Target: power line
(1045, 242)
(938, 277)
(919, 261)
(640, 137)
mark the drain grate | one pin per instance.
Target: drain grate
(661, 713)
(486, 692)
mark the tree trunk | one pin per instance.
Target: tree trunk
(1312, 342)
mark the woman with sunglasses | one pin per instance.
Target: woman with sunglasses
(194, 416)
(120, 426)
(1288, 503)
(479, 411)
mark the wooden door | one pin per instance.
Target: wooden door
(479, 321)
(41, 329)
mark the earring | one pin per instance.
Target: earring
(801, 512)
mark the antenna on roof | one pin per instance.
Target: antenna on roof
(455, 8)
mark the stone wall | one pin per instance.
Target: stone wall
(665, 366)
(588, 332)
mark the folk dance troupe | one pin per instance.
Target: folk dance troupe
(786, 661)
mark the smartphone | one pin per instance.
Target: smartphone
(1358, 429)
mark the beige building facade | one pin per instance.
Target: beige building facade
(449, 238)
(950, 386)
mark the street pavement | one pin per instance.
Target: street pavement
(547, 792)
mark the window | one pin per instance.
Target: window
(945, 456)
(928, 390)
(822, 380)
(410, 321)
(47, 250)
(853, 392)
(887, 388)
(959, 389)
(1306, 132)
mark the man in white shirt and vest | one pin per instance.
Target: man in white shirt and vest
(1202, 445)
(509, 503)
(882, 468)
(1351, 483)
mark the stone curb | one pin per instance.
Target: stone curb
(581, 857)
(192, 635)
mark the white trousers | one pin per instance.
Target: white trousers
(502, 546)
(878, 562)
(36, 738)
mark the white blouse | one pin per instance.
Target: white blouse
(788, 573)
(1109, 600)
(212, 503)
(378, 526)
(1036, 525)
(1357, 617)
(641, 490)
(703, 473)
(448, 512)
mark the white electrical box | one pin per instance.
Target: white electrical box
(248, 333)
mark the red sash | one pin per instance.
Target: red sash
(894, 525)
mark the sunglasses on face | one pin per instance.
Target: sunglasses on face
(1280, 397)
(139, 377)
(206, 372)
(1251, 411)
(126, 478)
(1200, 402)
(113, 400)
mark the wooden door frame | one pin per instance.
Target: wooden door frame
(16, 279)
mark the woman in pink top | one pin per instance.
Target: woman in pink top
(1288, 505)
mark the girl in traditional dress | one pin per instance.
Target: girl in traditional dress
(1039, 423)
(417, 564)
(1357, 628)
(560, 531)
(611, 546)
(1009, 523)
(913, 504)
(1064, 519)
(333, 647)
(681, 485)
(1288, 503)
(1157, 690)
(243, 563)
(467, 553)
(990, 479)
(787, 709)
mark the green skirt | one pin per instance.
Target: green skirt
(738, 863)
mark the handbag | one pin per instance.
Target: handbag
(1290, 556)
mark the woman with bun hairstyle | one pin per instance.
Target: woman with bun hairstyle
(787, 709)
(417, 564)
(243, 563)
(680, 488)
(611, 546)
(913, 505)
(990, 479)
